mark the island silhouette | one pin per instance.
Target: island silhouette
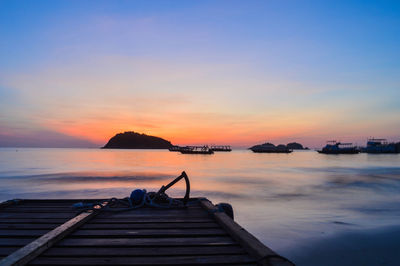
(281, 148)
(296, 146)
(134, 140)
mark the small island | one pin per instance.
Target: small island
(270, 148)
(281, 148)
(133, 140)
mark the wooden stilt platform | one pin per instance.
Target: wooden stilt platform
(52, 232)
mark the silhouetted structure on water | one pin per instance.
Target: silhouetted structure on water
(270, 148)
(334, 147)
(200, 149)
(381, 146)
(196, 150)
(220, 148)
(133, 140)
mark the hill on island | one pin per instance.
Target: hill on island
(295, 146)
(290, 146)
(133, 140)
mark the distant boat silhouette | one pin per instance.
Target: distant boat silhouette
(175, 148)
(196, 150)
(220, 148)
(334, 147)
(381, 146)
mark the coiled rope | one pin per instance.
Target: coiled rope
(140, 198)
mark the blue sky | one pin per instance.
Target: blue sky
(254, 70)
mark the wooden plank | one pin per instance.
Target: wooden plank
(153, 220)
(111, 226)
(41, 210)
(35, 248)
(112, 211)
(124, 242)
(25, 205)
(148, 208)
(5, 251)
(22, 233)
(158, 210)
(32, 220)
(11, 215)
(120, 232)
(247, 240)
(152, 260)
(12, 202)
(69, 202)
(51, 205)
(159, 217)
(100, 226)
(45, 205)
(5, 242)
(140, 251)
(62, 201)
(70, 207)
(125, 220)
(150, 232)
(24, 226)
(154, 213)
(153, 209)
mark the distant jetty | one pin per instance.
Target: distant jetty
(196, 150)
(221, 148)
(201, 149)
(133, 140)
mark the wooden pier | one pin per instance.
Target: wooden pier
(51, 232)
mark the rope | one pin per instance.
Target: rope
(162, 201)
(151, 199)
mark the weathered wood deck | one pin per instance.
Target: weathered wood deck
(51, 232)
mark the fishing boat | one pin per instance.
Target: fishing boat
(196, 150)
(381, 146)
(270, 148)
(335, 147)
(220, 148)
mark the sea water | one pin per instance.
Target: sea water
(291, 202)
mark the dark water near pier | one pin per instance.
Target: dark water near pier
(297, 203)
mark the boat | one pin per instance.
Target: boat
(270, 148)
(220, 148)
(175, 148)
(196, 150)
(335, 147)
(381, 146)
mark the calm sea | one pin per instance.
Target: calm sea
(289, 201)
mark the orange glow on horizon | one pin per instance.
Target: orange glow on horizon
(307, 127)
(100, 132)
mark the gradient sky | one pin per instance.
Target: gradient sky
(74, 73)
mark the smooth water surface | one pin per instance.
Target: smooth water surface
(291, 202)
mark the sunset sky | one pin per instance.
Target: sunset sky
(74, 73)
